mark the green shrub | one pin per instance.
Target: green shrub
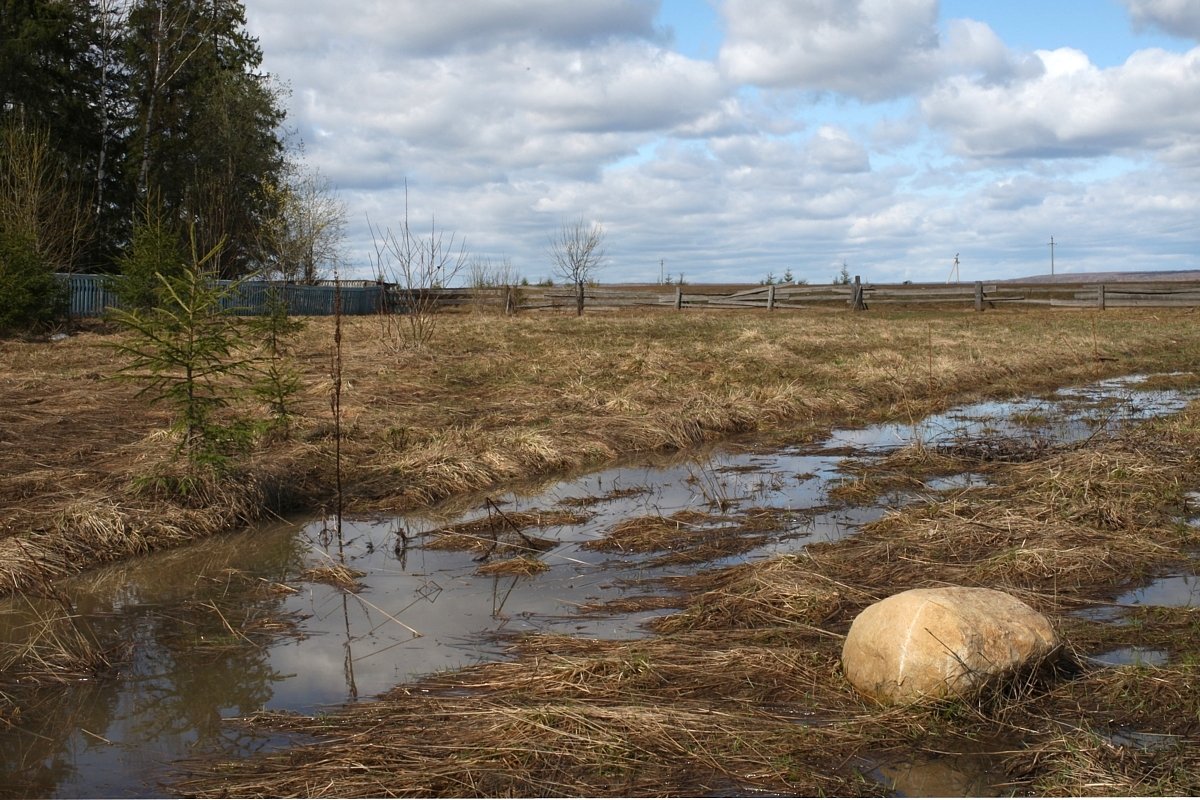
(31, 297)
(156, 250)
(278, 382)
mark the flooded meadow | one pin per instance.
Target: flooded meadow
(306, 615)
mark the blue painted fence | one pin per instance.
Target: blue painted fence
(91, 295)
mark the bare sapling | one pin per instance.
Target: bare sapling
(578, 253)
(335, 398)
(420, 264)
(302, 239)
(494, 284)
(43, 228)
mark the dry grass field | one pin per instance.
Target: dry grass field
(494, 399)
(740, 689)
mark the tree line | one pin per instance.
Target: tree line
(131, 130)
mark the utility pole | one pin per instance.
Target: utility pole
(662, 275)
(1051, 255)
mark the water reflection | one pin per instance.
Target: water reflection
(1133, 656)
(1176, 591)
(963, 775)
(1172, 591)
(182, 671)
(1067, 415)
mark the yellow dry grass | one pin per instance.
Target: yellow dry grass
(337, 575)
(653, 533)
(523, 566)
(494, 400)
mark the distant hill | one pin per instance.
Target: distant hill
(1111, 277)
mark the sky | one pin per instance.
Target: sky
(729, 140)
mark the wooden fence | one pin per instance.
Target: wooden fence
(91, 295)
(979, 296)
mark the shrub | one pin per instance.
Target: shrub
(278, 382)
(156, 250)
(31, 297)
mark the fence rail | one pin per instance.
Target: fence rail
(979, 296)
(91, 295)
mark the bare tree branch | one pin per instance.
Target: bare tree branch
(302, 241)
(578, 252)
(420, 264)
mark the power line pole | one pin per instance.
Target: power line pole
(1052, 256)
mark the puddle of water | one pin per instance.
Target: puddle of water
(1175, 591)
(181, 675)
(963, 480)
(966, 775)
(187, 670)
(1068, 415)
(1140, 740)
(1132, 657)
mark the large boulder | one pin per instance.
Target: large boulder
(938, 643)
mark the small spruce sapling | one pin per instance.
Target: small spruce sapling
(277, 381)
(188, 354)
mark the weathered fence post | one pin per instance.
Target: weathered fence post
(979, 295)
(510, 306)
(771, 297)
(678, 298)
(856, 295)
(1100, 298)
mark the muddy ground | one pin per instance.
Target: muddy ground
(87, 465)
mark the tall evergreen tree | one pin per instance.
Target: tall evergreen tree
(46, 74)
(141, 99)
(206, 136)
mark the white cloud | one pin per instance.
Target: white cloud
(417, 28)
(507, 116)
(1177, 17)
(869, 49)
(515, 108)
(1021, 191)
(835, 151)
(1073, 108)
